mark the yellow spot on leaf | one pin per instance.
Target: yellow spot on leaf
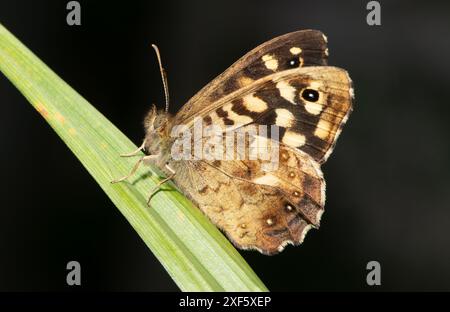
(42, 110)
(72, 131)
(60, 118)
(180, 216)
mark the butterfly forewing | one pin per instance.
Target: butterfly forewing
(311, 124)
(296, 49)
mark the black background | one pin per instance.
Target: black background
(388, 186)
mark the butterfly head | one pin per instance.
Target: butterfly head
(156, 125)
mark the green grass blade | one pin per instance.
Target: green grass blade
(195, 254)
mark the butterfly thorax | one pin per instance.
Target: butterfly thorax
(157, 139)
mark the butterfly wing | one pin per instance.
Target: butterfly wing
(256, 209)
(296, 49)
(309, 124)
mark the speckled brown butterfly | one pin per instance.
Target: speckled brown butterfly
(284, 82)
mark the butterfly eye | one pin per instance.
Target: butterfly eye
(310, 95)
(295, 62)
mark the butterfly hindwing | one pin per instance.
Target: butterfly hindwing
(257, 209)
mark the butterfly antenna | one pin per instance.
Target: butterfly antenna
(163, 76)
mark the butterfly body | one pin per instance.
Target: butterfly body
(284, 82)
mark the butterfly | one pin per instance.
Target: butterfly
(283, 82)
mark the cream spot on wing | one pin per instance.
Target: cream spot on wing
(344, 120)
(295, 50)
(326, 51)
(287, 91)
(325, 38)
(270, 62)
(245, 81)
(216, 120)
(319, 215)
(323, 129)
(284, 244)
(269, 221)
(313, 108)
(254, 104)
(293, 139)
(238, 119)
(267, 179)
(305, 231)
(284, 118)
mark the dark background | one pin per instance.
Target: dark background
(388, 186)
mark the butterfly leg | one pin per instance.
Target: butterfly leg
(134, 153)
(136, 166)
(157, 187)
